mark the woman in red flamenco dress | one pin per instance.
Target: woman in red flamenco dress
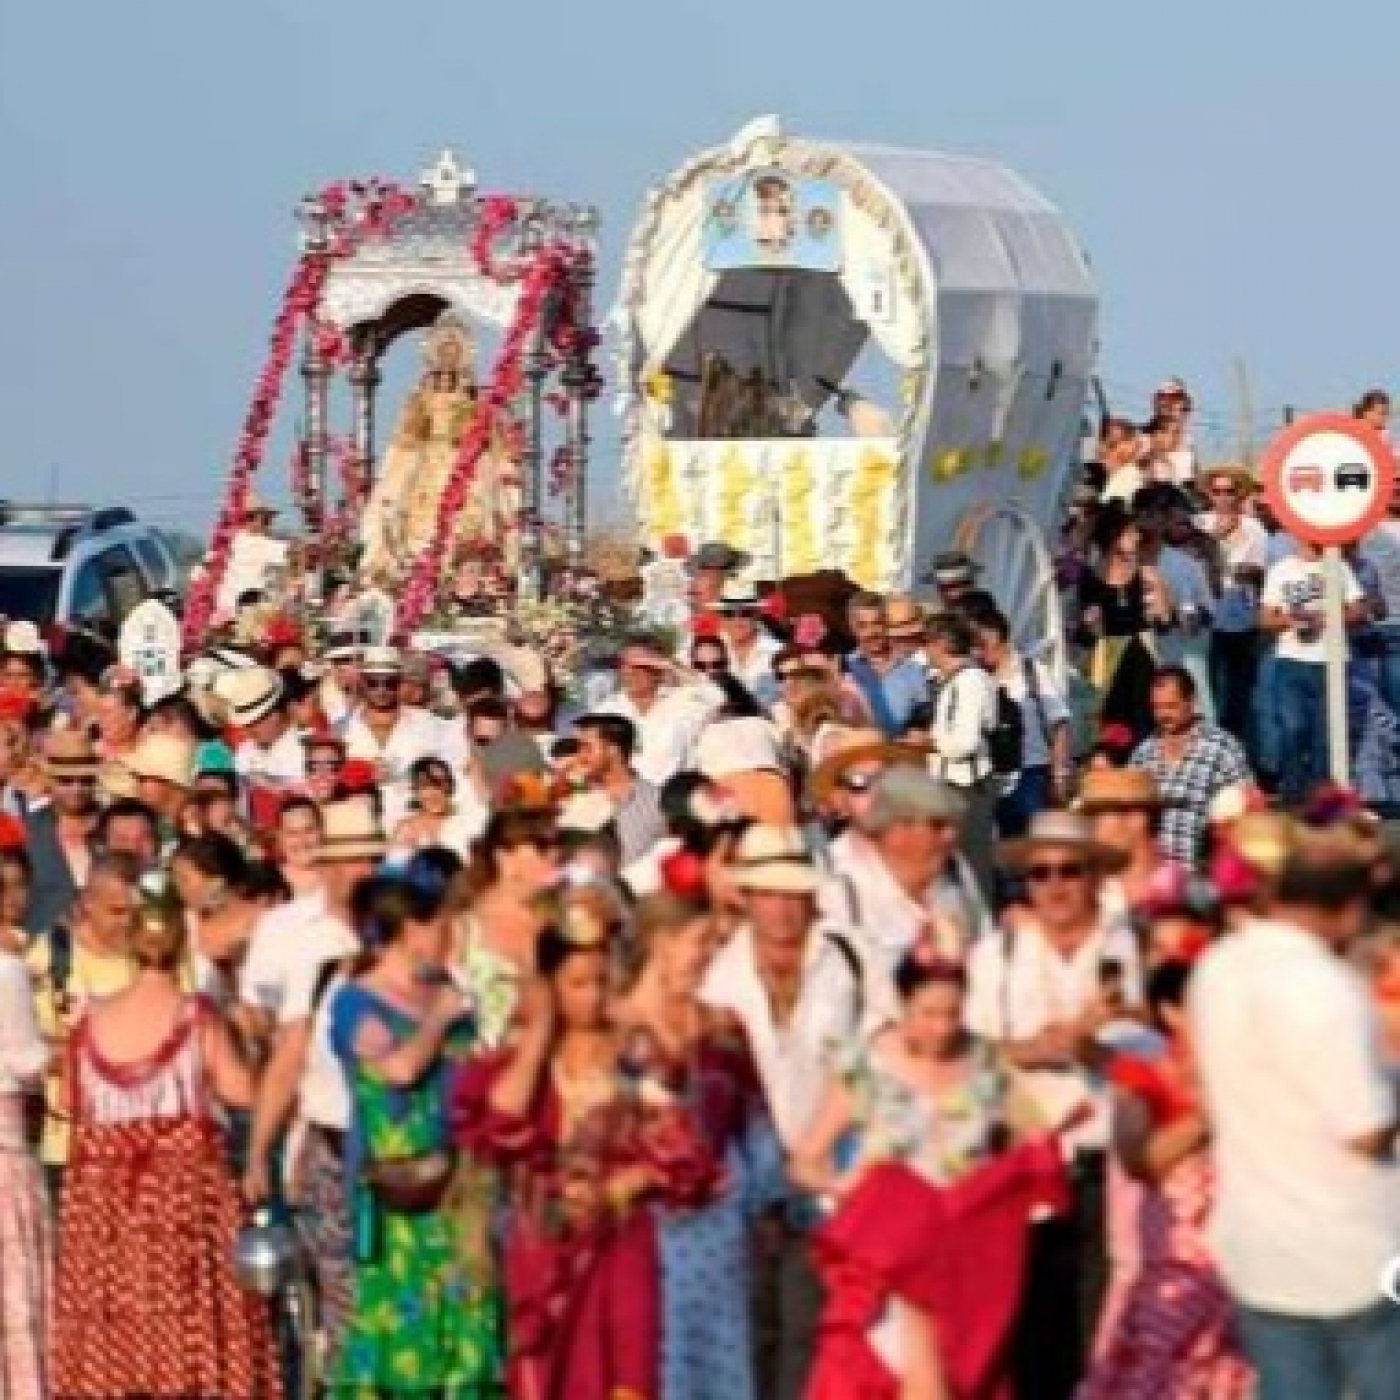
(590, 1147)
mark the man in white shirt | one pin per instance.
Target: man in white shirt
(1292, 609)
(1054, 987)
(1306, 1224)
(390, 735)
(964, 715)
(270, 754)
(799, 990)
(668, 707)
(906, 880)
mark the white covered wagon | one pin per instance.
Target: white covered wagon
(856, 357)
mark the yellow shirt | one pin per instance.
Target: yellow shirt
(91, 976)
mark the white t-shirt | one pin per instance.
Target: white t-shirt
(1299, 583)
(964, 713)
(274, 949)
(281, 765)
(1247, 545)
(1291, 1065)
(324, 1096)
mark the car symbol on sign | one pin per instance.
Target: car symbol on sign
(1307, 477)
(1351, 475)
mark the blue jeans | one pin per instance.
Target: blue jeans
(1324, 1358)
(1301, 694)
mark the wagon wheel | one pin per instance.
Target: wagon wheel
(1018, 571)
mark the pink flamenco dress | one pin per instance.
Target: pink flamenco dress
(1173, 1337)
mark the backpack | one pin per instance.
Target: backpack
(1006, 739)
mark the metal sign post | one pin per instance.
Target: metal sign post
(1334, 637)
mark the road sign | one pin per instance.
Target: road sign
(1328, 478)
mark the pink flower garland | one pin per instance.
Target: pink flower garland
(355, 211)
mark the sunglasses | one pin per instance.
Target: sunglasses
(800, 673)
(711, 668)
(858, 782)
(1227, 491)
(324, 765)
(74, 782)
(382, 682)
(1060, 870)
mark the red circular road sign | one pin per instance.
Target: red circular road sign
(1328, 478)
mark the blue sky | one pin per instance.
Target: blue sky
(1226, 165)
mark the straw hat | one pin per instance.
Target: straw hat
(249, 695)
(68, 753)
(253, 504)
(774, 859)
(1119, 790)
(166, 758)
(1060, 831)
(904, 619)
(738, 595)
(844, 748)
(381, 661)
(350, 831)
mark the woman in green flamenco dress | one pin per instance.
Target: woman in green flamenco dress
(427, 1314)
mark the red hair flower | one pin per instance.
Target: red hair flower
(683, 874)
(12, 834)
(357, 775)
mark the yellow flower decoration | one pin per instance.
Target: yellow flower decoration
(870, 499)
(662, 504)
(1033, 462)
(799, 545)
(737, 482)
(658, 386)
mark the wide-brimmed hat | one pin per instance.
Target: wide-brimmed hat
(345, 644)
(843, 748)
(904, 619)
(350, 831)
(716, 555)
(904, 793)
(1118, 790)
(738, 595)
(1057, 830)
(381, 661)
(166, 758)
(69, 753)
(774, 859)
(249, 695)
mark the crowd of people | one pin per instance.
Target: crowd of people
(841, 1010)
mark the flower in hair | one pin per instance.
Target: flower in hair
(1116, 736)
(12, 833)
(683, 874)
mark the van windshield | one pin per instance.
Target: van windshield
(29, 595)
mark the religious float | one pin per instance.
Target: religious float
(854, 357)
(462, 492)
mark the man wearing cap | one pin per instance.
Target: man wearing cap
(1055, 986)
(964, 715)
(892, 688)
(389, 734)
(711, 568)
(798, 987)
(955, 576)
(906, 879)
(60, 836)
(340, 686)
